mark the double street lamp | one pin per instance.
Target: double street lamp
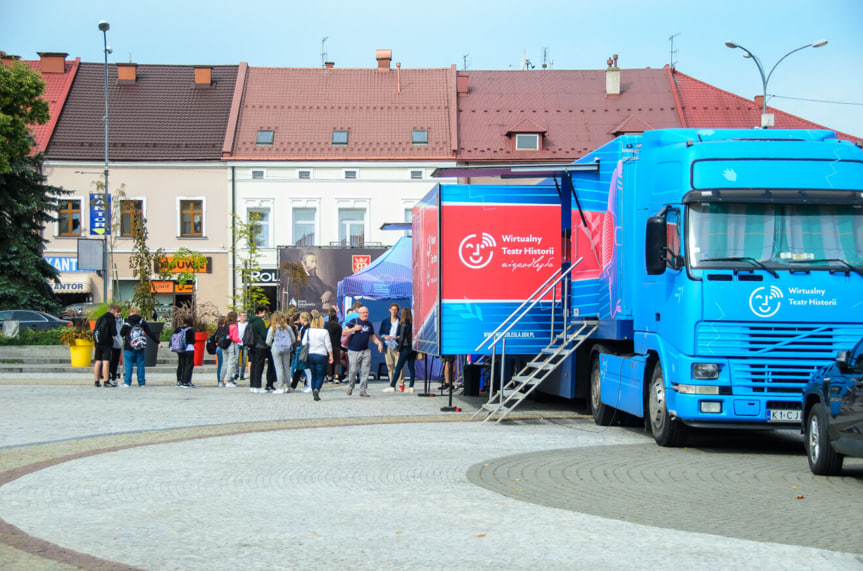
(766, 120)
(104, 26)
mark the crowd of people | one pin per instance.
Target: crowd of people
(277, 351)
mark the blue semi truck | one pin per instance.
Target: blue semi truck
(717, 268)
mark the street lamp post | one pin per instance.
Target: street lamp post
(104, 26)
(765, 119)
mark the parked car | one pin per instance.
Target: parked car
(29, 319)
(833, 412)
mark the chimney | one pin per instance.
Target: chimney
(329, 64)
(52, 62)
(759, 100)
(127, 72)
(461, 85)
(612, 77)
(203, 76)
(9, 60)
(384, 58)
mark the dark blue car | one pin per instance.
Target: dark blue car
(833, 412)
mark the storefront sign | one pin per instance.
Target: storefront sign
(183, 266)
(100, 205)
(184, 288)
(264, 277)
(65, 264)
(73, 287)
(161, 286)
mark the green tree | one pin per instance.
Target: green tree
(142, 262)
(246, 250)
(26, 202)
(21, 105)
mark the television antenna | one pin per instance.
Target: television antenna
(324, 51)
(673, 52)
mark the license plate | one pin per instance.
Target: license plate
(783, 416)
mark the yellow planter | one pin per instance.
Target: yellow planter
(81, 353)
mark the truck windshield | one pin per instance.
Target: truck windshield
(775, 237)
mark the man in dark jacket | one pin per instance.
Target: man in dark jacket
(104, 332)
(134, 356)
(258, 353)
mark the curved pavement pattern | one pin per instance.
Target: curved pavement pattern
(165, 479)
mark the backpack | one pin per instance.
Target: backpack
(223, 340)
(102, 331)
(249, 336)
(178, 340)
(137, 338)
(283, 342)
(211, 344)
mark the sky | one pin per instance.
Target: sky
(824, 85)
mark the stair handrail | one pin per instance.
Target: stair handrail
(541, 291)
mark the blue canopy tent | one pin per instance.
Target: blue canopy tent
(387, 280)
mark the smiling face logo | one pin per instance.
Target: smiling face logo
(476, 251)
(765, 302)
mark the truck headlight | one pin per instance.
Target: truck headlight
(705, 371)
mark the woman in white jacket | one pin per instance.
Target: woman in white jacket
(320, 353)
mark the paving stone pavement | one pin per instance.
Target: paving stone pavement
(162, 478)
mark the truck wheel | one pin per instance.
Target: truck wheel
(823, 459)
(602, 414)
(666, 431)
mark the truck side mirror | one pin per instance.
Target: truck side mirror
(654, 245)
(842, 360)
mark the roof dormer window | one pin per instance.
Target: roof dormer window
(340, 137)
(265, 138)
(527, 142)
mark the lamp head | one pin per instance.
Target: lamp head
(104, 26)
(819, 43)
(731, 45)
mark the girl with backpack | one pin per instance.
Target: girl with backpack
(185, 353)
(134, 334)
(280, 340)
(228, 340)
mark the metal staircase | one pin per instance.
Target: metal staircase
(562, 344)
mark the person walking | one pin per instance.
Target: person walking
(302, 324)
(230, 349)
(280, 339)
(136, 335)
(334, 328)
(104, 333)
(389, 334)
(186, 356)
(407, 356)
(361, 331)
(242, 352)
(117, 351)
(258, 352)
(320, 353)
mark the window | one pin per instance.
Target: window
(304, 174)
(265, 138)
(352, 225)
(131, 212)
(340, 137)
(420, 137)
(408, 218)
(258, 174)
(303, 226)
(259, 222)
(416, 175)
(527, 142)
(69, 218)
(191, 218)
(351, 174)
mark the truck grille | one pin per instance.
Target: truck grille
(773, 358)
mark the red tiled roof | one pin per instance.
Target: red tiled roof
(704, 105)
(379, 109)
(56, 89)
(162, 115)
(570, 105)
